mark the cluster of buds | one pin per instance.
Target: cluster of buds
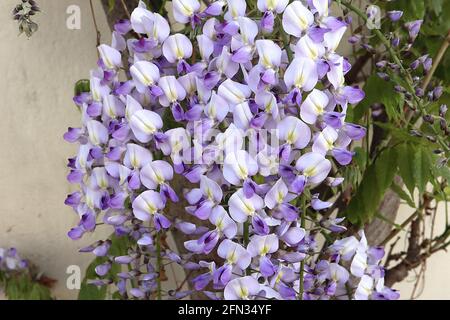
(251, 111)
(10, 261)
(418, 89)
(23, 13)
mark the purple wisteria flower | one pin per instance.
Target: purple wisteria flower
(239, 130)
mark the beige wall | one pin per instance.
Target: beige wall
(37, 78)
(37, 81)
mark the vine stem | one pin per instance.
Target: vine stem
(94, 19)
(402, 226)
(125, 8)
(158, 265)
(436, 61)
(407, 75)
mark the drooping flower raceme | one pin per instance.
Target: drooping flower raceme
(252, 124)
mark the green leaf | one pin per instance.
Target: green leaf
(422, 168)
(81, 86)
(403, 195)
(436, 5)
(89, 291)
(399, 133)
(447, 190)
(23, 287)
(378, 90)
(376, 180)
(119, 246)
(111, 5)
(39, 292)
(406, 168)
(443, 172)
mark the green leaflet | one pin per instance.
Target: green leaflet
(406, 167)
(21, 287)
(379, 91)
(400, 134)
(436, 5)
(376, 180)
(413, 162)
(90, 292)
(81, 86)
(403, 195)
(111, 5)
(415, 166)
(422, 168)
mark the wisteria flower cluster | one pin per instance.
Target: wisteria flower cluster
(10, 261)
(23, 13)
(251, 112)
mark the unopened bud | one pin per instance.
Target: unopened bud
(437, 92)
(383, 76)
(419, 92)
(442, 110)
(428, 118)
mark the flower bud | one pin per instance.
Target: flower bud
(399, 88)
(442, 110)
(395, 42)
(428, 118)
(415, 133)
(395, 15)
(419, 92)
(383, 76)
(437, 92)
(413, 29)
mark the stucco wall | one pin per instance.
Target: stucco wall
(37, 79)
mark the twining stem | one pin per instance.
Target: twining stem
(398, 230)
(125, 8)
(99, 36)
(437, 59)
(158, 265)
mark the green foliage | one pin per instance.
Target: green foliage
(378, 90)
(377, 178)
(406, 169)
(81, 86)
(111, 5)
(403, 194)
(91, 292)
(414, 163)
(422, 172)
(21, 286)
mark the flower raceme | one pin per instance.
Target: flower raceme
(253, 122)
